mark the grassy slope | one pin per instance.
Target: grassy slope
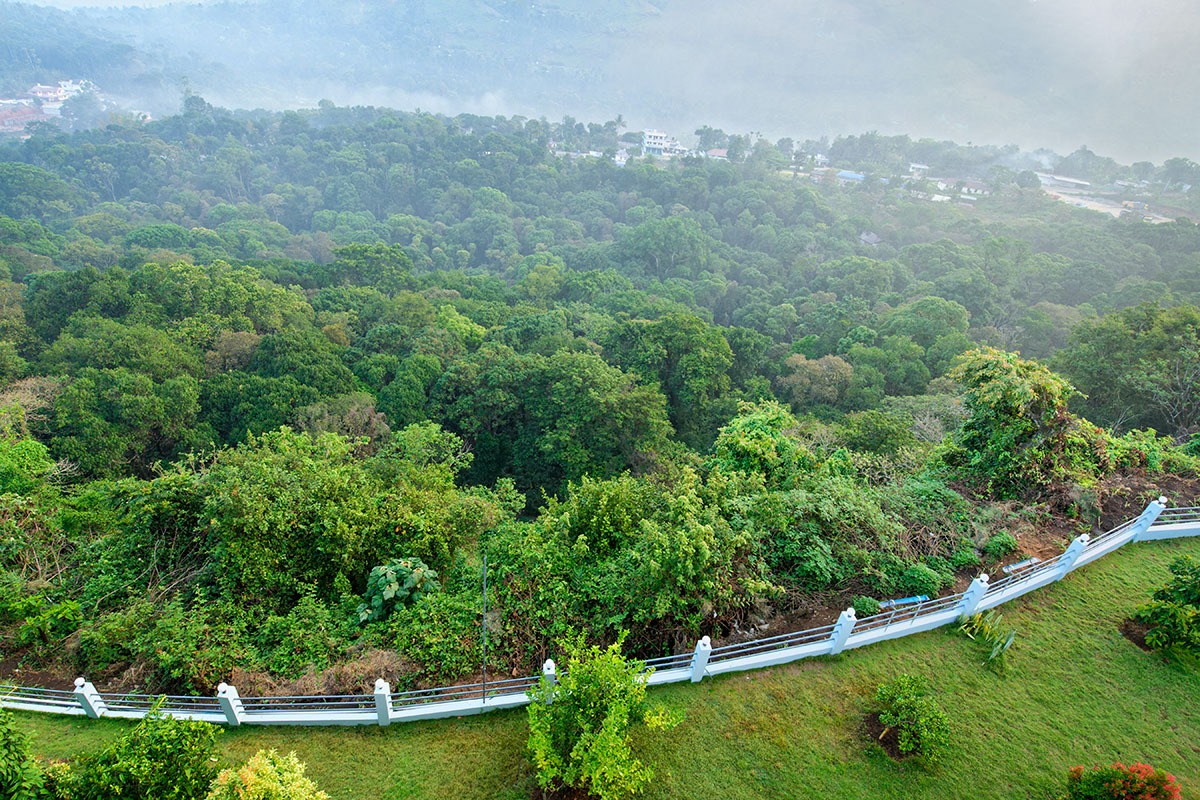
(1076, 692)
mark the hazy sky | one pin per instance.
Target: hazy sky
(1119, 76)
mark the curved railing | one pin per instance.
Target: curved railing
(384, 706)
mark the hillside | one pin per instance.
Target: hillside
(1076, 692)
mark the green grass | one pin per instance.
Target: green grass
(1076, 692)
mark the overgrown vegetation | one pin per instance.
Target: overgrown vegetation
(272, 385)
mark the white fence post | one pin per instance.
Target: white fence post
(383, 701)
(1148, 517)
(1073, 553)
(550, 677)
(700, 658)
(231, 704)
(841, 631)
(974, 595)
(89, 698)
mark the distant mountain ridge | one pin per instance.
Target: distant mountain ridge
(1058, 73)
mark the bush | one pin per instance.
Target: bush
(903, 703)
(1119, 782)
(920, 579)
(20, 776)
(865, 606)
(442, 634)
(163, 758)
(579, 727)
(1000, 545)
(266, 776)
(310, 636)
(964, 557)
(1173, 615)
(985, 628)
(401, 581)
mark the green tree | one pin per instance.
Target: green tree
(113, 421)
(760, 440)
(1019, 436)
(579, 727)
(690, 360)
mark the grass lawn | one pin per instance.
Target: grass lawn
(1076, 692)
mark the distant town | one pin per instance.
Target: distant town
(78, 104)
(69, 104)
(919, 184)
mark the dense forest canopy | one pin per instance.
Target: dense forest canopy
(255, 368)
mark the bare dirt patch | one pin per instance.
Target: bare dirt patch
(1136, 632)
(885, 737)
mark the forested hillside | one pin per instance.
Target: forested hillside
(272, 385)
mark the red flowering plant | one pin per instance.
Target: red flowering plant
(1119, 782)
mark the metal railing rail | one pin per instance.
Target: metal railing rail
(386, 706)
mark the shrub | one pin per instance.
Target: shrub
(920, 579)
(310, 636)
(579, 727)
(266, 776)
(922, 728)
(1000, 545)
(401, 581)
(20, 776)
(163, 758)
(1173, 615)
(1119, 782)
(442, 634)
(865, 606)
(964, 557)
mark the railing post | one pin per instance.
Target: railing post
(974, 595)
(231, 704)
(383, 701)
(700, 658)
(841, 631)
(89, 698)
(1073, 553)
(1148, 517)
(550, 676)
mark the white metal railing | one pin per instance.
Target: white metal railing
(385, 706)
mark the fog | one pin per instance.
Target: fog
(1119, 77)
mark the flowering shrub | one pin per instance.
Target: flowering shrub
(1119, 782)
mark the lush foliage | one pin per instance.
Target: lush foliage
(579, 725)
(904, 704)
(1119, 782)
(20, 776)
(247, 359)
(1173, 614)
(162, 758)
(1019, 435)
(400, 581)
(266, 776)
